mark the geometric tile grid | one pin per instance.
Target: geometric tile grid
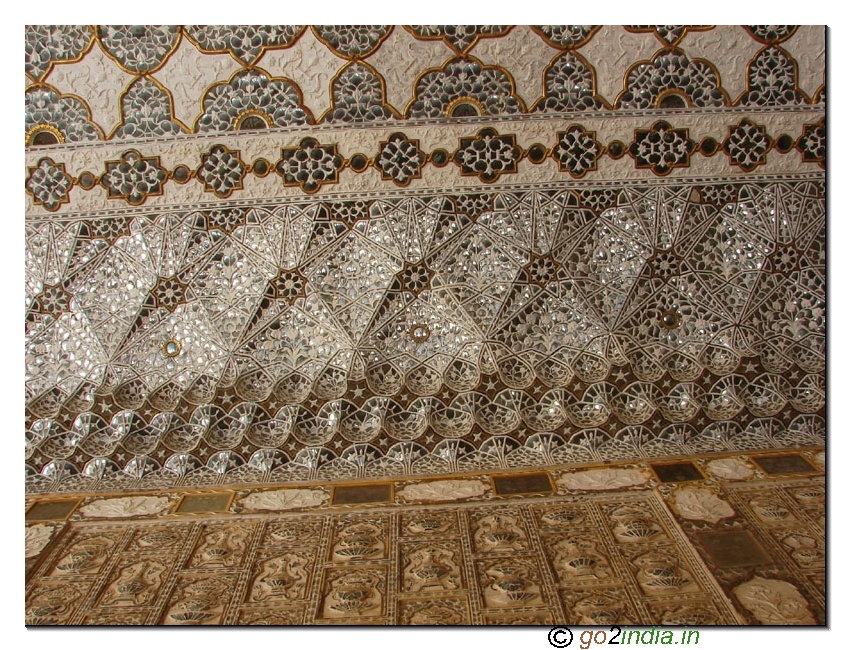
(515, 319)
(588, 262)
(611, 545)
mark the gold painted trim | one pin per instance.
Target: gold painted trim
(651, 30)
(451, 59)
(678, 51)
(652, 166)
(336, 77)
(790, 58)
(54, 62)
(65, 199)
(41, 128)
(677, 319)
(172, 354)
(302, 144)
(675, 92)
(569, 48)
(419, 338)
(260, 54)
(252, 112)
(586, 63)
(346, 164)
(253, 170)
(769, 42)
(190, 174)
(441, 37)
(122, 117)
(238, 186)
(374, 160)
(592, 168)
(310, 119)
(519, 153)
(124, 197)
(89, 119)
(466, 99)
(771, 145)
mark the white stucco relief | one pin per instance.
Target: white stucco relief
(125, 507)
(700, 504)
(284, 499)
(603, 479)
(774, 602)
(451, 490)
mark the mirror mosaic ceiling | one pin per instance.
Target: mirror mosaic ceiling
(276, 254)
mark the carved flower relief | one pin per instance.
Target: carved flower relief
(53, 604)
(136, 585)
(125, 507)
(603, 479)
(511, 583)
(729, 468)
(354, 593)
(451, 490)
(659, 572)
(434, 612)
(37, 538)
(701, 504)
(431, 567)
(284, 499)
(806, 549)
(199, 602)
(283, 577)
(499, 531)
(774, 602)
